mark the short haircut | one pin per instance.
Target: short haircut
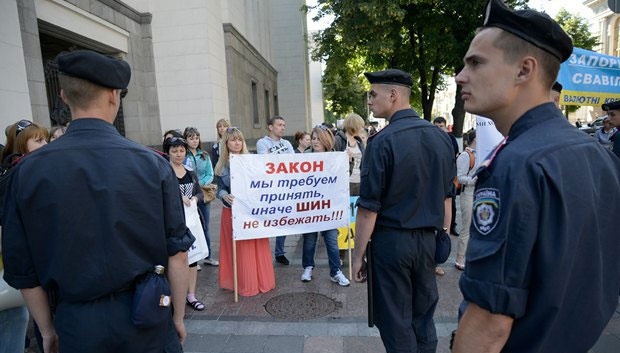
(353, 124)
(515, 48)
(439, 120)
(79, 93)
(273, 120)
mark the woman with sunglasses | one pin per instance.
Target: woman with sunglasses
(198, 159)
(322, 141)
(23, 137)
(176, 149)
(254, 263)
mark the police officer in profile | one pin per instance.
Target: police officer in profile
(88, 236)
(406, 174)
(613, 115)
(543, 270)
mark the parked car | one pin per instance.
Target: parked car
(593, 126)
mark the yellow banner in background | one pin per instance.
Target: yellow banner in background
(343, 232)
(587, 98)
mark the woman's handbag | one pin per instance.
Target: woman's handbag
(209, 191)
(443, 246)
(199, 249)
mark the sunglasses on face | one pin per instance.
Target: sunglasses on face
(21, 125)
(124, 92)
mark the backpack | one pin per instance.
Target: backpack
(472, 160)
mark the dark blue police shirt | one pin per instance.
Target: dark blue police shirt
(89, 212)
(406, 173)
(543, 246)
(616, 145)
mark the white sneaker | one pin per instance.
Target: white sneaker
(340, 279)
(211, 262)
(307, 275)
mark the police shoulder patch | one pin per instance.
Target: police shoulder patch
(486, 210)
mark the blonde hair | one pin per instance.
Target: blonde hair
(353, 124)
(325, 137)
(232, 133)
(221, 122)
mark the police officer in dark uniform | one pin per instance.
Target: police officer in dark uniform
(86, 237)
(406, 174)
(543, 269)
(613, 114)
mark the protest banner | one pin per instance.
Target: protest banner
(487, 137)
(589, 78)
(283, 194)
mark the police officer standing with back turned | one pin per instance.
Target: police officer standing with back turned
(406, 174)
(543, 270)
(114, 215)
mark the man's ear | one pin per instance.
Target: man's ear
(63, 97)
(527, 70)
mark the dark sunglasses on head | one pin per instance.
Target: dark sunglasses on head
(322, 127)
(177, 139)
(231, 129)
(21, 125)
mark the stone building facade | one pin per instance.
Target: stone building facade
(193, 62)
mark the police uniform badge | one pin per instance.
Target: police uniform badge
(486, 210)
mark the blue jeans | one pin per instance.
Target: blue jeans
(13, 325)
(330, 237)
(279, 250)
(205, 209)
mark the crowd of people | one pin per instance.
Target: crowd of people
(118, 210)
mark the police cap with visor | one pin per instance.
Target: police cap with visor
(611, 106)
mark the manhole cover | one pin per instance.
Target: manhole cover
(300, 306)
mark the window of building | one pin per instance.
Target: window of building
(267, 106)
(255, 115)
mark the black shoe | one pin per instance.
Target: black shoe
(282, 260)
(455, 233)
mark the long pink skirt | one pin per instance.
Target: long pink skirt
(254, 263)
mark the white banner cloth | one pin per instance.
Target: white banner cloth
(282, 194)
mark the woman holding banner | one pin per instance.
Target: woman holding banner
(322, 141)
(254, 263)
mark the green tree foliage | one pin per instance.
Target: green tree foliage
(578, 29)
(427, 38)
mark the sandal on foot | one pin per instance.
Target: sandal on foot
(196, 305)
(459, 266)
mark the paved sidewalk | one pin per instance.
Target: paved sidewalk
(246, 327)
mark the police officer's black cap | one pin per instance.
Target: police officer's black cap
(99, 69)
(557, 87)
(532, 26)
(611, 106)
(390, 77)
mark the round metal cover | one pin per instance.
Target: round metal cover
(301, 306)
